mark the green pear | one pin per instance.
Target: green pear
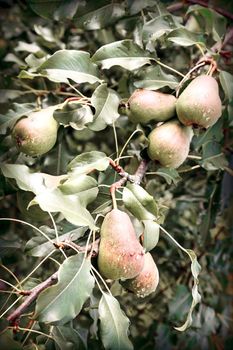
(146, 105)
(199, 104)
(36, 134)
(169, 143)
(146, 281)
(120, 253)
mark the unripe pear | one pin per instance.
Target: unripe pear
(120, 253)
(199, 104)
(146, 105)
(36, 134)
(169, 143)
(147, 281)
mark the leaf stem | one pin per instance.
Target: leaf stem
(168, 67)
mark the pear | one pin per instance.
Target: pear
(169, 143)
(120, 253)
(146, 105)
(36, 134)
(146, 281)
(199, 104)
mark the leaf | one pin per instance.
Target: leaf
(169, 174)
(39, 246)
(214, 133)
(29, 181)
(89, 161)
(62, 302)
(183, 37)
(154, 78)
(226, 80)
(99, 17)
(195, 269)
(137, 6)
(150, 234)
(67, 338)
(8, 120)
(7, 246)
(158, 26)
(106, 103)
(74, 114)
(114, 324)
(213, 158)
(57, 9)
(67, 64)
(77, 183)
(71, 206)
(124, 53)
(139, 202)
(215, 23)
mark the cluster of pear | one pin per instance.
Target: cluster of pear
(36, 134)
(199, 105)
(121, 256)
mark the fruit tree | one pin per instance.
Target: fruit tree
(116, 174)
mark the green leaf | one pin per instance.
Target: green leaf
(137, 6)
(7, 246)
(89, 161)
(67, 64)
(39, 246)
(150, 234)
(139, 202)
(29, 181)
(213, 158)
(215, 23)
(71, 206)
(154, 78)
(214, 133)
(169, 174)
(67, 338)
(17, 111)
(106, 103)
(62, 302)
(195, 269)
(99, 17)
(158, 26)
(124, 53)
(114, 324)
(57, 9)
(7, 341)
(226, 80)
(74, 114)
(183, 37)
(77, 183)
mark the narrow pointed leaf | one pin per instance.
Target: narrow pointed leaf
(64, 301)
(114, 324)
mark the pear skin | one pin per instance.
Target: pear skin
(36, 134)
(146, 106)
(199, 104)
(169, 143)
(120, 253)
(147, 281)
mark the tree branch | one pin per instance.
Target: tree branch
(179, 5)
(33, 294)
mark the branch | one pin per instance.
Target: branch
(179, 5)
(15, 315)
(33, 294)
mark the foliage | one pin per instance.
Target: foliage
(85, 58)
